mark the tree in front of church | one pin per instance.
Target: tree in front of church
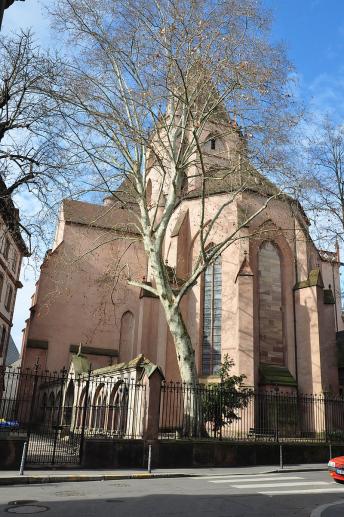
(221, 401)
(142, 83)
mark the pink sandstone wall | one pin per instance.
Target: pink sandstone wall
(78, 300)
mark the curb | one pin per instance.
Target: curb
(32, 480)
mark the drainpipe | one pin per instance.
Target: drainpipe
(335, 296)
(294, 306)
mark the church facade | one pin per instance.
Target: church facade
(271, 301)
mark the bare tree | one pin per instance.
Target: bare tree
(323, 182)
(32, 157)
(149, 87)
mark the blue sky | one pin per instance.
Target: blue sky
(313, 32)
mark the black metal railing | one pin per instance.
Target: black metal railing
(55, 412)
(216, 412)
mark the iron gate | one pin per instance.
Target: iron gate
(50, 447)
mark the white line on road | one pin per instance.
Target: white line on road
(306, 491)
(273, 485)
(253, 479)
(240, 476)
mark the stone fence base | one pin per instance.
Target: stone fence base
(188, 454)
(100, 453)
(11, 450)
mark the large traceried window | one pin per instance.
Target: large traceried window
(212, 310)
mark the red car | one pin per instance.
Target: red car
(336, 469)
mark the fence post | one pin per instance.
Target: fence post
(326, 415)
(221, 412)
(149, 458)
(33, 402)
(84, 414)
(152, 395)
(281, 456)
(59, 414)
(276, 397)
(22, 463)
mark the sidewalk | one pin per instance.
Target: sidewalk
(71, 475)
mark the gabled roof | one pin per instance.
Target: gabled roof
(138, 363)
(12, 354)
(224, 180)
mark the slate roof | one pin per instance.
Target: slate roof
(276, 375)
(12, 352)
(224, 181)
(109, 217)
(220, 181)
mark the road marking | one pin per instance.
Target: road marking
(274, 485)
(230, 480)
(306, 491)
(317, 512)
(241, 476)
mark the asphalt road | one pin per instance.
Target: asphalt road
(282, 495)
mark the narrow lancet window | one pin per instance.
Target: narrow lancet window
(271, 345)
(212, 311)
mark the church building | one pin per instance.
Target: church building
(271, 301)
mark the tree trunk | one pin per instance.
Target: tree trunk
(192, 421)
(184, 349)
(191, 395)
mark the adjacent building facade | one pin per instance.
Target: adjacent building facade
(12, 251)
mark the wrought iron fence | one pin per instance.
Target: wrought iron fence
(217, 412)
(55, 412)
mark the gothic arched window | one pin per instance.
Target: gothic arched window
(271, 347)
(212, 311)
(126, 340)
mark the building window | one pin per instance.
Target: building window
(6, 248)
(14, 260)
(212, 311)
(341, 379)
(2, 340)
(271, 343)
(213, 144)
(1, 284)
(8, 299)
(126, 339)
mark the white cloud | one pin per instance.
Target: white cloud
(327, 94)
